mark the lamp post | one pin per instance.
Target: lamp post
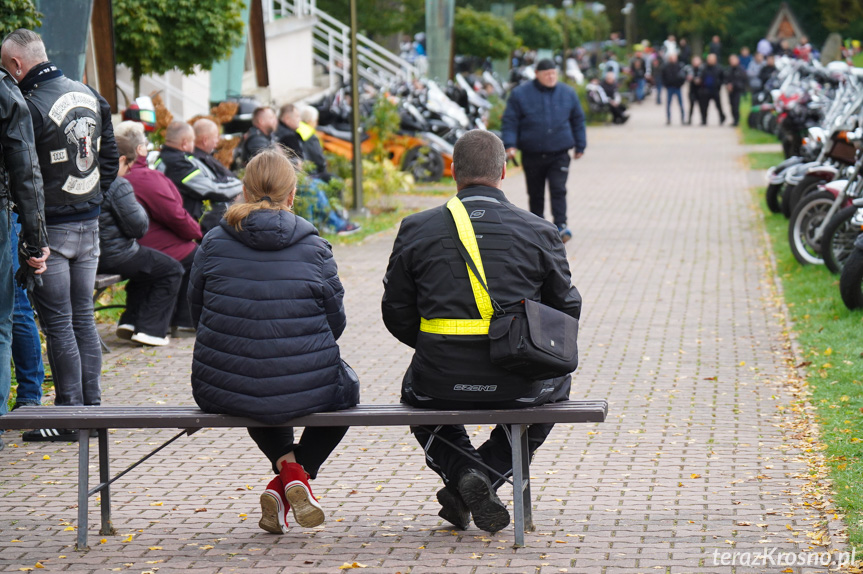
(355, 113)
(628, 12)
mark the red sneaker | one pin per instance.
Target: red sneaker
(274, 508)
(307, 512)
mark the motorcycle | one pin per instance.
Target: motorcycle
(851, 281)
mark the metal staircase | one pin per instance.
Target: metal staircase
(331, 47)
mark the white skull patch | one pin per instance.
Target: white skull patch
(80, 133)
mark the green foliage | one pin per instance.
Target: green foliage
(16, 14)
(382, 182)
(828, 336)
(841, 15)
(156, 36)
(689, 17)
(536, 30)
(379, 18)
(584, 25)
(495, 113)
(483, 35)
(383, 124)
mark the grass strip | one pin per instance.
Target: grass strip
(765, 159)
(751, 136)
(829, 338)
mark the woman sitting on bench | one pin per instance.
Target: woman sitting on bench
(266, 299)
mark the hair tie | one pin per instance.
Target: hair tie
(265, 198)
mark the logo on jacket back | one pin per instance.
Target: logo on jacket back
(476, 388)
(79, 133)
(477, 214)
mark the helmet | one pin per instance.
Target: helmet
(142, 110)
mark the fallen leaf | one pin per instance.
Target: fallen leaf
(38, 565)
(156, 503)
(350, 565)
(103, 541)
(200, 510)
(129, 538)
(378, 488)
(46, 457)
(207, 547)
(68, 528)
(155, 547)
(694, 476)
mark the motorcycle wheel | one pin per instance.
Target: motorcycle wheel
(807, 217)
(794, 193)
(423, 163)
(773, 197)
(851, 282)
(837, 243)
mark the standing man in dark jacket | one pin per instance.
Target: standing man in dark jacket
(712, 77)
(20, 185)
(195, 181)
(427, 280)
(78, 157)
(737, 80)
(544, 120)
(693, 87)
(153, 277)
(673, 79)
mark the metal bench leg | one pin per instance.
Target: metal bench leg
(83, 486)
(104, 478)
(521, 483)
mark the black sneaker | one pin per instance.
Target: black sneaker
(453, 508)
(50, 435)
(489, 513)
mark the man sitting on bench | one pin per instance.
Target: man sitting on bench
(429, 304)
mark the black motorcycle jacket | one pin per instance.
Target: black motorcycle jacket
(523, 257)
(74, 141)
(20, 178)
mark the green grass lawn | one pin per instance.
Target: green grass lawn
(751, 136)
(765, 159)
(370, 225)
(829, 336)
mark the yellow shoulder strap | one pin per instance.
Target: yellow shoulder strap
(468, 238)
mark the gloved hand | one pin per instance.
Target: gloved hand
(26, 275)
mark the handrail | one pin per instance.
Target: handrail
(330, 45)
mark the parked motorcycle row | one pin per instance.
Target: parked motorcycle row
(432, 119)
(817, 112)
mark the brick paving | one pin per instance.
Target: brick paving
(677, 332)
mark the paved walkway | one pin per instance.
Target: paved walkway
(677, 332)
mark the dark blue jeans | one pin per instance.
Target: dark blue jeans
(26, 346)
(7, 298)
(65, 307)
(674, 93)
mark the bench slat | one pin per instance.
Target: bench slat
(361, 415)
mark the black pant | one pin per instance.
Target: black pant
(704, 100)
(151, 293)
(315, 446)
(734, 99)
(693, 97)
(553, 167)
(496, 452)
(182, 313)
(617, 112)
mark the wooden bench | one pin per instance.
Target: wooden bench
(192, 419)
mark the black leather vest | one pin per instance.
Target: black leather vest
(68, 147)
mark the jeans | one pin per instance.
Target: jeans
(7, 298)
(674, 93)
(26, 346)
(553, 167)
(639, 89)
(151, 293)
(315, 446)
(320, 212)
(65, 306)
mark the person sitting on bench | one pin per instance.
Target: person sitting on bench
(429, 304)
(154, 278)
(266, 299)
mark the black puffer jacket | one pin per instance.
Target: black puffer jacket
(122, 221)
(267, 302)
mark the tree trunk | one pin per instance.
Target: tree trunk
(136, 83)
(697, 44)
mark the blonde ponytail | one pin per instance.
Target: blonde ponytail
(269, 182)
